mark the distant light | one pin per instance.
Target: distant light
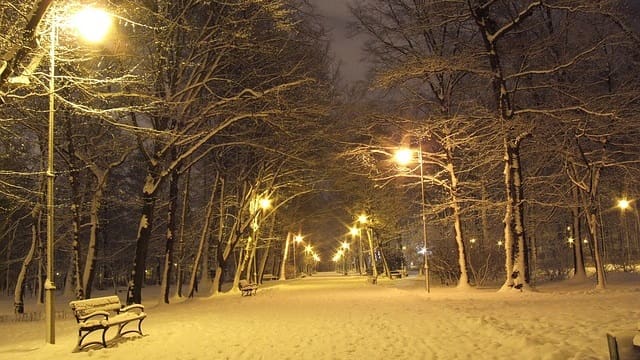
(571, 240)
(354, 231)
(297, 238)
(473, 240)
(500, 243)
(363, 219)
(623, 204)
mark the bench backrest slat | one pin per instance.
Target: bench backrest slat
(85, 307)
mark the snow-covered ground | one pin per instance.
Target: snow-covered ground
(328, 316)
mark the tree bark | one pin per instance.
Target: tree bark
(165, 284)
(203, 239)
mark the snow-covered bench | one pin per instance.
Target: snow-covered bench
(246, 288)
(395, 274)
(269, 277)
(99, 314)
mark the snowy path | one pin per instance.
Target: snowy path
(346, 318)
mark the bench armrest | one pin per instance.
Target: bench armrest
(103, 314)
(138, 307)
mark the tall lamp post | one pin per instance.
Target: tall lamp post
(296, 240)
(345, 248)
(364, 220)
(92, 24)
(355, 231)
(624, 204)
(403, 157)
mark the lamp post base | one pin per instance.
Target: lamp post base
(50, 312)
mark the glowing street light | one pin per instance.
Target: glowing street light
(624, 204)
(403, 157)
(93, 30)
(265, 203)
(296, 240)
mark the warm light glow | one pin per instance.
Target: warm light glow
(316, 257)
(297, 238)
(473, 240)
(403, 156)
(345, 245)
(265, 203)
(93, 24)
(362, 219)
(308, 249)
(354, 231)
(571, 240)
(623, 204)
(500, 243)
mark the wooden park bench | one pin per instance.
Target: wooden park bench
(395, 274)
(267, 277)
(246, 288)
(99, 314)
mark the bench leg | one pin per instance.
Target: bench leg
(81, 337)
(138, 331)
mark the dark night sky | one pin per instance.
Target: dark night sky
(346, 50)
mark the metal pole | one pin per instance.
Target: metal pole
(360, 252)
(49, 285)
(294, 259)
(424, 222)
(374, 268)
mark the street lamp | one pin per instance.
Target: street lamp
(355, 231)
(308, 251)
(296, 240)
(92, 24)
(345, 248)
(364, 220)
(625, 204)
(403, 157)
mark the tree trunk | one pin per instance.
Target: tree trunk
(18, 295)
(267, 250)
(591, 204)
(522, 260)
(165, 287)
(508, 218)
(183, 221)
(579, 272)
(283, 265)
(134, 292)
(463, 282)
(203, 239)
(92, 248)
(221, 251)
